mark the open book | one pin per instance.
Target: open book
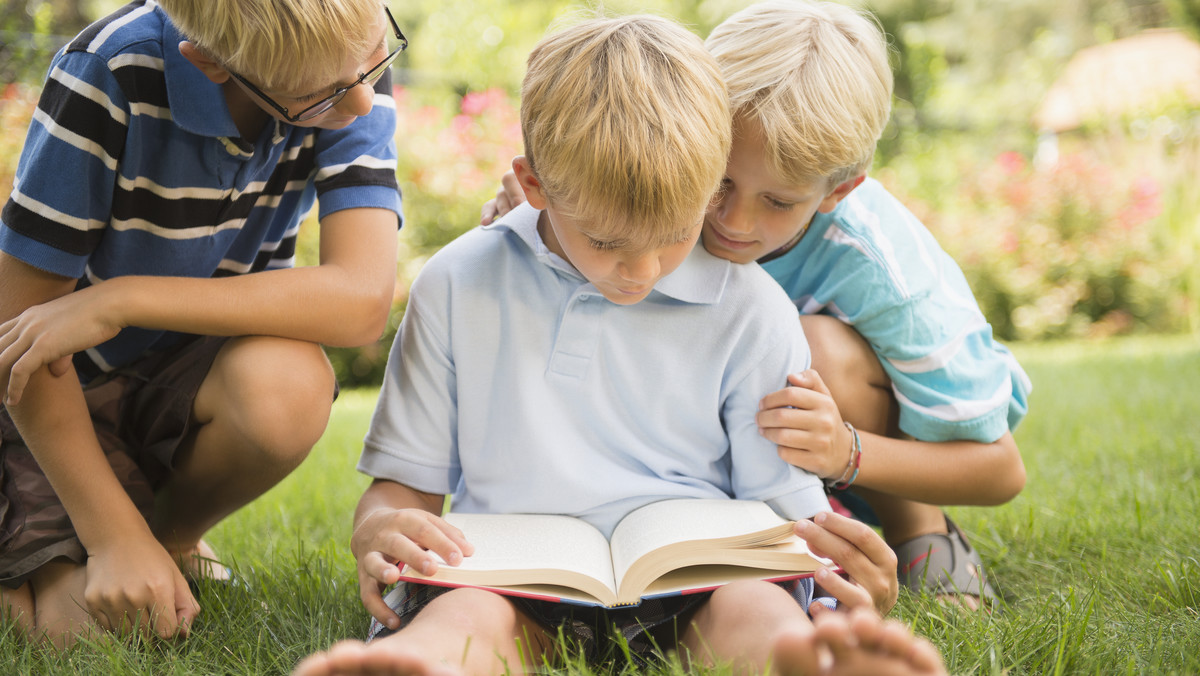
(662, 549)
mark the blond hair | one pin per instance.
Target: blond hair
(815, 77)
(626, 124)
(280, 45)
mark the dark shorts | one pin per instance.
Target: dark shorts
(598, 634)
(142, 415)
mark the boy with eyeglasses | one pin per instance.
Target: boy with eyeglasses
(160, 357)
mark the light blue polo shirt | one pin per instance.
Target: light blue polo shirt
(514, 384)
(872, 264)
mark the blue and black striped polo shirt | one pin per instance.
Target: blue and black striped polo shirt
(134, 166)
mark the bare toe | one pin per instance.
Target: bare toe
(797, 652)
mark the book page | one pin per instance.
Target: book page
(516, 542)
(672, 521)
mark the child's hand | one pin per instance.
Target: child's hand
(805, 423)
(386, 539)
(507, 197)
(47, 335)
(868, 561)
(136, 585)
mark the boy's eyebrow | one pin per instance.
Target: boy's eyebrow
(317, 92)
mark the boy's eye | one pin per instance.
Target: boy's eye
(778, 205)
(316, 96)
(601, 246)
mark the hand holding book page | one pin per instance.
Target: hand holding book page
(664, 548)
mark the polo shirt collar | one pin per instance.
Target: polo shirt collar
(700, 279)
(197, 103)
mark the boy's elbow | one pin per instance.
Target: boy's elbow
(377, 314)
(375, 320)
(1013, 484)
(365, 320)
(1010, 471)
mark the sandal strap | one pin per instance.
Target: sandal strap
(943, 563)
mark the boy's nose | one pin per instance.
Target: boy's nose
(640, 269)
(730, 213)
(357, 101)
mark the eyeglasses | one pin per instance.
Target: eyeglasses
(320, 107)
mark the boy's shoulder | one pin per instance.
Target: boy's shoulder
(138, 27)
(871, 234)
(741, 297)
(478, 252)
(749, 285)
(870, 205)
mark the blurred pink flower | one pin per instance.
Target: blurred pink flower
(1011, 162)
(1009, 242)
(477, 103)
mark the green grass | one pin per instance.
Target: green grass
(1098, 558)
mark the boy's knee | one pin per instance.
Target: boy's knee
(277, 392)
(748, 602)
(476, 612)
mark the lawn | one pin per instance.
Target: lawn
(1098, 559)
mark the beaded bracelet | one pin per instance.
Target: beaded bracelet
(842, 483)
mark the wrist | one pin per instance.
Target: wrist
(116, 532)
(115, 300)
(850, 473)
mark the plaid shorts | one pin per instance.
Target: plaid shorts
(648, 629)
(141, 413)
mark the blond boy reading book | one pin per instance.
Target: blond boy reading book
(581, 356)
(921, 400)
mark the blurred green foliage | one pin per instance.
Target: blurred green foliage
(1105, 241)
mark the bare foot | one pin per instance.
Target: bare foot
(858, 643)
(863, 643)
(356, 657)
(200, 563)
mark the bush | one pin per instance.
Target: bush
(17, 102)
(1085, 247)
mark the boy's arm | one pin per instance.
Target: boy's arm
(129, 574)
(394, 525)
(343, 301)
(943, 472)
(804, 422)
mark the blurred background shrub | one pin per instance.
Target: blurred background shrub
(1067, 225)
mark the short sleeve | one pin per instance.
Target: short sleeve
(412, 436)
(951, 380)
(356, 166)
(62, 193)
(773, 347)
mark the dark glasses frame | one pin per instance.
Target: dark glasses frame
(325, 104)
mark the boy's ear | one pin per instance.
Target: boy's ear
(207, 65)
(529, 182)
(839, 193)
